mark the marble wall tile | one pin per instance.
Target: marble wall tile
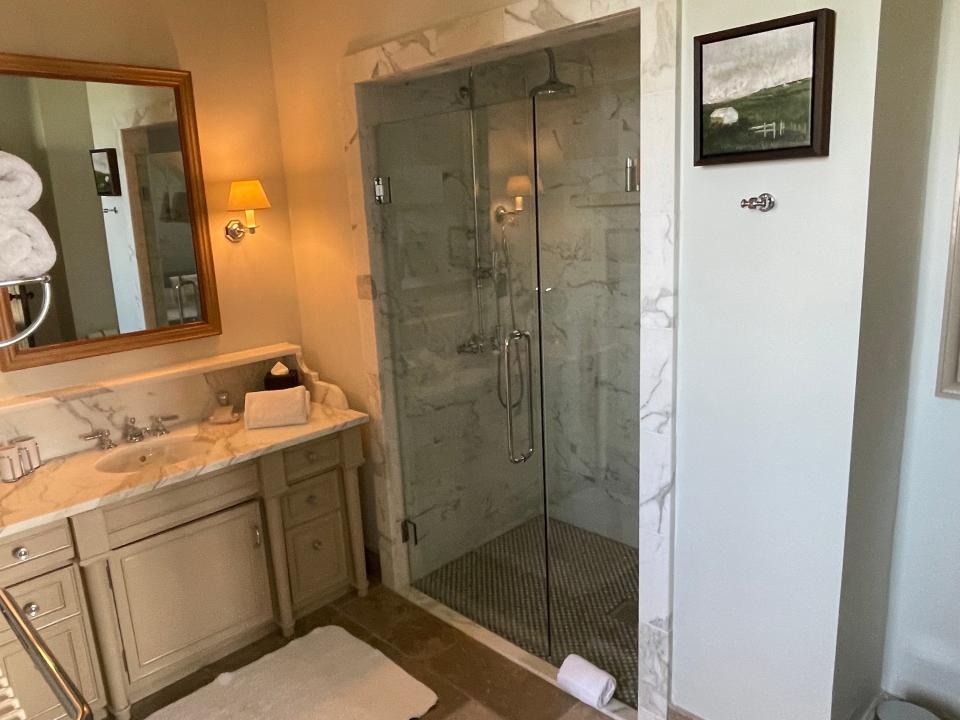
(655, 607)
(656, 483)
(658, 163)
(656, 380)
(654, 670)
(658, 45)
(657, 270)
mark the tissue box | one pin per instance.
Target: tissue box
(282, 382)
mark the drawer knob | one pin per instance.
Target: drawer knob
(21, 553)
(312, 499)
(312, 456)
(31, 609)
(317, 545)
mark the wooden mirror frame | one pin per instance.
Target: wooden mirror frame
(13, 358)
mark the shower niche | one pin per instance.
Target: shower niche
(505, 253)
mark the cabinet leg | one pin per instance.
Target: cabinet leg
(97, 581)
(278, 557)
(351, 490)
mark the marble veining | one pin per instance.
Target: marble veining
(71, 485)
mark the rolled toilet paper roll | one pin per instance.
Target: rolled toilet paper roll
(586, 682)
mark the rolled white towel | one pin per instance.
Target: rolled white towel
(26, 249)
(586, 682)
(20, 186)
(274, 408)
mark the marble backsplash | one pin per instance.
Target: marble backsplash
(58, 425)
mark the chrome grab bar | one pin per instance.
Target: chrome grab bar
(44, 660)
(507, 345)
(41, 316)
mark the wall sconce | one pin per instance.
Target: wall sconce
(246, 195)
(518, 187)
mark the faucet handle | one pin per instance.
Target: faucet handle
(103, 437)
(158, 423)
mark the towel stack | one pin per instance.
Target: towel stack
(26, 250)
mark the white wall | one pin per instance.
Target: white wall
(923, 637)
(906, 70)
(768, 333)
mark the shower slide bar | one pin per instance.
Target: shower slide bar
(508, 345)
(44, 660)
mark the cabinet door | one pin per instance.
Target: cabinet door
(317, 557)
(67, 641)
(187, 590)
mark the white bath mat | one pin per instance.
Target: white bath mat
(326, 675)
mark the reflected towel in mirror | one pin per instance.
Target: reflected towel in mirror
(20, 185)
(26, 250)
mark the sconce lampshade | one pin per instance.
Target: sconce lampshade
(519, 185)
(247, 195)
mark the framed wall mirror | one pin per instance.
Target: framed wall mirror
(117, 150)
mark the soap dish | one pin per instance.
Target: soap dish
(220, 417)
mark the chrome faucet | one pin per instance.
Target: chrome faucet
(102, 437)
(131, 432)
(158, 427)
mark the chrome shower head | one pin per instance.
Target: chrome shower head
(552, 86)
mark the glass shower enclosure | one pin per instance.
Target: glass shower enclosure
(511, 289)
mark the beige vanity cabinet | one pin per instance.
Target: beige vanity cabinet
(39, 572)
(186, 590)
(185, 574)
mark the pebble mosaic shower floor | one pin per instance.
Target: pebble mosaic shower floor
(502, 585)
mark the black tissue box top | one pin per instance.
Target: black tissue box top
(282, 382)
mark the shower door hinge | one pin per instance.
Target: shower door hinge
(381, 190)
(405, 527)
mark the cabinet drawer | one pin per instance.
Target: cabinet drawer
(35, 552)
(67, 640)
(55, 596)
(311, 458)
(179, 504)
(312, 499)
(182, 593)
(317, 555)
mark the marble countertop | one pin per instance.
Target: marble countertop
(71, 485)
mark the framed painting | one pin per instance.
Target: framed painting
(763, 91)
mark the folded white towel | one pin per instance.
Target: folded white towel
(20, 186)
(586, 682)
(26, 249)
(274, 408)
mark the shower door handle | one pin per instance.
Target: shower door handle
(507, 354)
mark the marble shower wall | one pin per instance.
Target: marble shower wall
(58, 426)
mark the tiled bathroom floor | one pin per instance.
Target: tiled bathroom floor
(593, 592)
(471, 681)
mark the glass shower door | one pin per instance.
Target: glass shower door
(460, 298)
(589, 254)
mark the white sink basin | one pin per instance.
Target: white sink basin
(151, 453)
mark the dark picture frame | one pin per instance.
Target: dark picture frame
(757, 130)
(106, 171)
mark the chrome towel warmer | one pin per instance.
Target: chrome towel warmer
(41, 316)
(46, 663)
